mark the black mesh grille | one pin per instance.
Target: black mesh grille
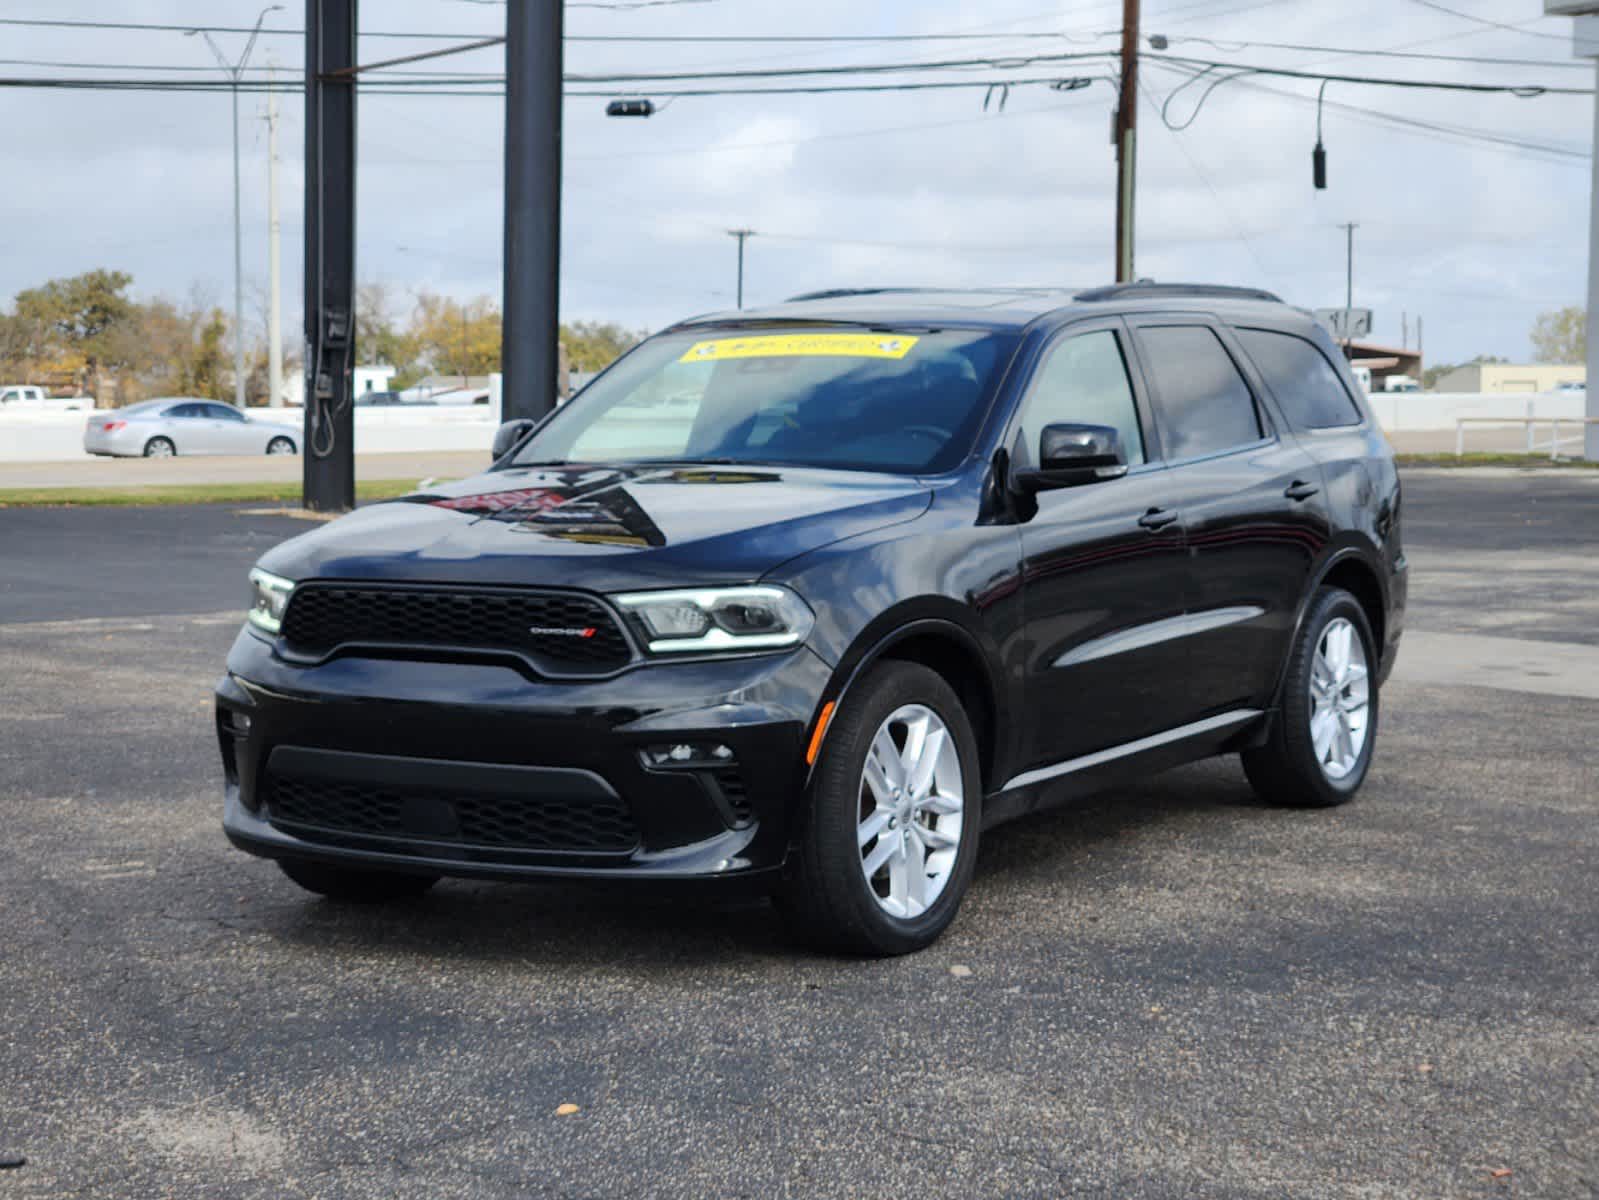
(502, 822)
(566, 633)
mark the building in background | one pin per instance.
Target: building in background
(1384, 361)
(367, 379)
(1511, 377)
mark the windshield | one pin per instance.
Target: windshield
(879, 400)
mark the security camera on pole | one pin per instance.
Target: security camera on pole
(1585, 44)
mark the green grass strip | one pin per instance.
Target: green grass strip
(1482, 459)
(288, 493)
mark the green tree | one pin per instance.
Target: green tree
(79, 316)
(1561, 336)
(595, 345)
(207, 360)
(455, 338)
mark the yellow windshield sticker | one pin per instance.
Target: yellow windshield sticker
(802, 345)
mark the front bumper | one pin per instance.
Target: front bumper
(476, 768)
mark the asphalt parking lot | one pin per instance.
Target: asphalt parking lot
(1168, 991)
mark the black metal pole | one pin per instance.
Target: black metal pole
(329, 449)
(533, 65)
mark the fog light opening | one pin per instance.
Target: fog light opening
(688, 756)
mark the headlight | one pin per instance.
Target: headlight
(269, 596)
(710, 619)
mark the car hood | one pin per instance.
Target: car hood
(607, 529)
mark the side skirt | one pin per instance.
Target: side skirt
(1045, 787)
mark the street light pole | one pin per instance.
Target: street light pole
(274, 262)
(742, 235)
(235, 72)
(1349, 289)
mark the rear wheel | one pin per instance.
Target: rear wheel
(353, 884)
(1321, 744)
(890, 834)
(159, 447)
(280, 445)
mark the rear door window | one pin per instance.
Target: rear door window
(1308, 389)
(1205, 405)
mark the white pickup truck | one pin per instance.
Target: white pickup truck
(25, 395)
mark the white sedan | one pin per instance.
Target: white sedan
(182, 425)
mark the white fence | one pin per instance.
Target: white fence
(58, 437)
(41, 436)
(1419, 412)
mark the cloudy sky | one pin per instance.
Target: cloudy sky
(1472, 208)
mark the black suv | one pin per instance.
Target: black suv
(809, 596)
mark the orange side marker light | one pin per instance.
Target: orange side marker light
(821, 730)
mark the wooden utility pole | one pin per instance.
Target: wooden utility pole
(1127, 143)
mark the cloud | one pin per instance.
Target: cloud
(921, 188)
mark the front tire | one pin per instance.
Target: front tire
(159, 447)
(353, 885)
(889, 837)
(1320, 745)
(280, 445)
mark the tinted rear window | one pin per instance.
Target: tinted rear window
(1206, 407)
(1307, 387)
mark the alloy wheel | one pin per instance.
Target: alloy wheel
(1340, 699)
(911, 811)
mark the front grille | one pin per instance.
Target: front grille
(559, 631)
(308, 804)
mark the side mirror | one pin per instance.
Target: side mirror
(508, 435)
(1072, 455)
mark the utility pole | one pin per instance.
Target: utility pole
(235, 72)
(1127, 143)
(533, 65)
(1404, 330)
(274, 260)
(1349, 288)
(742, 235)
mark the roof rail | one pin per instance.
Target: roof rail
(1149, 288)
(837, 293)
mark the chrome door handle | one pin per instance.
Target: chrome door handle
(1300, 490)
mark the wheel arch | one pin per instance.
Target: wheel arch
(1352, 569)
(947, 647)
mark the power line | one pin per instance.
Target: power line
(1484, 21)
(398, 88)
(1232, 46)
(1544, 152)
(1523, 90)
(1215, 195)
